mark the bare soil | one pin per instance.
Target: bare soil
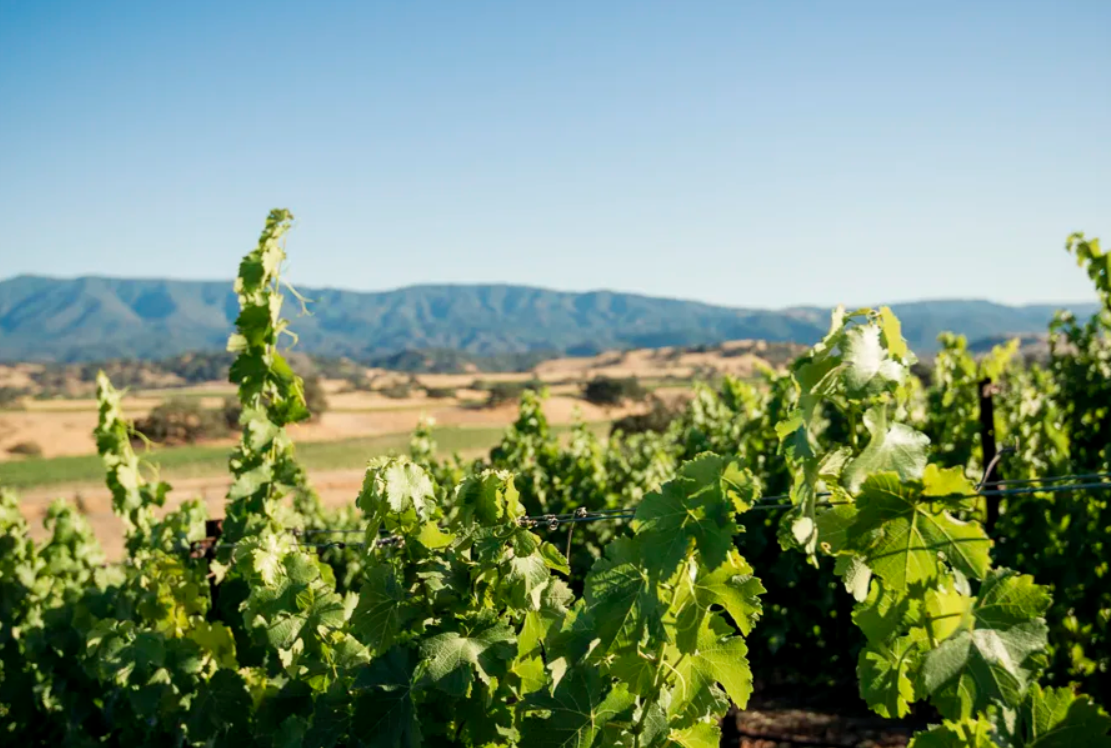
(781, 724)
(65, 427)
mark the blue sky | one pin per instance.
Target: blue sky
(745, 153)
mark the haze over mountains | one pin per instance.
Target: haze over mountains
(96, 318)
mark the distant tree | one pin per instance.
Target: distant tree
(606, 391)
(230, 411)
(182, 421)
(315, 397)
(657, 419)
(11, 396)
(398, 391)
(499, 393)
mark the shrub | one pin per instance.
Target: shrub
(26, 449)
(398, 391)
(315, 396)
(10, 396)
(656, 420)
(500, 393)
(230, 411)
(606, 391)
(440, 393)
(182, 421)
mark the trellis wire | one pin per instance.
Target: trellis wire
(781, 501)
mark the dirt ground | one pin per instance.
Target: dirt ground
(778, 724)
(62, 431)
(64, 426)
(740, 358)
(71, 433)
(336, 487)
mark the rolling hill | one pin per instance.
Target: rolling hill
(96, 318)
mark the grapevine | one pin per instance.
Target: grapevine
(454, 616)
(941, 624)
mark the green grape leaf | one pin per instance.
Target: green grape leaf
(331, 718)
(731, 585)
(345, 652)
(905, 536)
(855, 574)
(384, 712)
(622, 602)
(700, 735)
(486, 721)
(554, 558)
(884, 613)
(652, 717)
(1058, 718)
(719, 658)
(996, 654)
(963, 734)
(696, 507)
(451, 660)
(794, 437)
(896, 448)
(577, 711)
(946, 482)
(490, 497)
(397, 489)
(868, 368)
(521, 559)
(268, 558)
(217, 640)
(945, 611)
(835, 527)
(886, 673)
(893, 333)
(221, 705)
(291, 732)
(1008, 598)
(433, 538)
(383, 610)
(298, 603)
(526, 578)
(529, 665)
(833, 463)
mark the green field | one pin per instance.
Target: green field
(200, 461)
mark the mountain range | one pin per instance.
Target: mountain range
(95, 318)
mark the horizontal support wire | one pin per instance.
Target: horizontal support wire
(1103, 485)
(1050, 479)
(381, 542)
(765, 503)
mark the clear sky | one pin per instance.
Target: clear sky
(746, 153)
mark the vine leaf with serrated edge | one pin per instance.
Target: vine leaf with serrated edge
(450, 661)
(887, 674)
(696, 507)
(577, 711)
(903, 535)
(896, 448)
(383, 610)
(718, 657)
(1055, 718)
(995, 655)
(384, 712)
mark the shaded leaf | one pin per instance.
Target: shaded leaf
(581, 706)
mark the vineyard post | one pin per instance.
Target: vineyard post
(213, 529)
(987, 445)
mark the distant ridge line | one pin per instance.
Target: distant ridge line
(100, 317)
